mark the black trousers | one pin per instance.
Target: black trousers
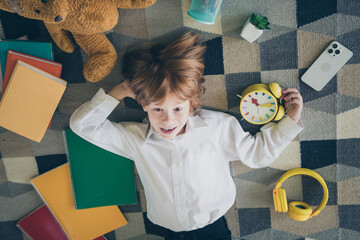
(218, 230)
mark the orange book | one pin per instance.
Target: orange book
(56, 190)
(30, 100)
(48, 66)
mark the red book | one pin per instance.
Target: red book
(48, 66)
(42, 225)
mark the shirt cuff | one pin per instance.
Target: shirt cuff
(289, 128)
(107, 101)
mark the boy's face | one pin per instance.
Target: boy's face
(169, 117)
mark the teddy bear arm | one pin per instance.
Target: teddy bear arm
(61, 37)
(131, 4)
(102, 55)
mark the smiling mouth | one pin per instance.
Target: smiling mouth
(167, 130)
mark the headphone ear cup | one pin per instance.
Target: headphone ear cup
(299, 211)
(280, 201)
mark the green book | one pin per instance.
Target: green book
(36, 49)
(99, 177)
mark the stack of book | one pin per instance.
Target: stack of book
(80, 197)
(31, 87)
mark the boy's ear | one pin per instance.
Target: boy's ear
(145, 108)
(191, 109)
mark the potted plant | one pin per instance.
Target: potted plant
(254, 27)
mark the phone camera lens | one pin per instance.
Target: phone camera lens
(335, 45)
(330, 51)
(337, 51)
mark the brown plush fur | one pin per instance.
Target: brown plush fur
(86, 20)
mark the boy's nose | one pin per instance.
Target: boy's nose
(166, 117)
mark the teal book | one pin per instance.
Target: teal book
(33, 48)
(99, 177)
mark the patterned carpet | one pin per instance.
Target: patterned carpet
(329, 144)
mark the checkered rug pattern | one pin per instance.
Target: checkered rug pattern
(329, 144)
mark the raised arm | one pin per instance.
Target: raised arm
(121, 91)
(265, 146)
(90, 122)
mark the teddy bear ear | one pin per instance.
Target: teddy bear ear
(10, 6)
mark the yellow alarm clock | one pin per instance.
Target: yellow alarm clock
(259, 103)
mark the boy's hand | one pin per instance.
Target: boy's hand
(121, 91)
(292, 95)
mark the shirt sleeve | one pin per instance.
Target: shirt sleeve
(90, 122)
(261, 149)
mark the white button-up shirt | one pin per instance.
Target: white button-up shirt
(187, 180)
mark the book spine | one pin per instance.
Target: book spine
(51, 51)
(35, 58)
(68, 160)
(1, 81)
(42, 72)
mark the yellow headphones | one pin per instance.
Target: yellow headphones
(299, 211)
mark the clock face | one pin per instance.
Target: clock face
(258, 107)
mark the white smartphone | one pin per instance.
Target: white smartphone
(326, 65)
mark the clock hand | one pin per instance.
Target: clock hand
(255, 101)
(266, 105)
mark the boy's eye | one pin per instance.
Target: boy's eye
(178, 109)
(158, 109)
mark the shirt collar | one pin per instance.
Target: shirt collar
(192, 123)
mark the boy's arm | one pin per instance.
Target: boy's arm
(121, 91)
(263, 148)
(90, 122)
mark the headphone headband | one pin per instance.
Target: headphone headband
(311, 173)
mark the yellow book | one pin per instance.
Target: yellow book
(30, 101)
(56, 190)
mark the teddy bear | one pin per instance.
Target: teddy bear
(84, 21)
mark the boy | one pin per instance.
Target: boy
(181, 152)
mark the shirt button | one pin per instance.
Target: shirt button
(181, 237)
(177, 163)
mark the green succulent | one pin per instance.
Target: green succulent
(259, 21)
